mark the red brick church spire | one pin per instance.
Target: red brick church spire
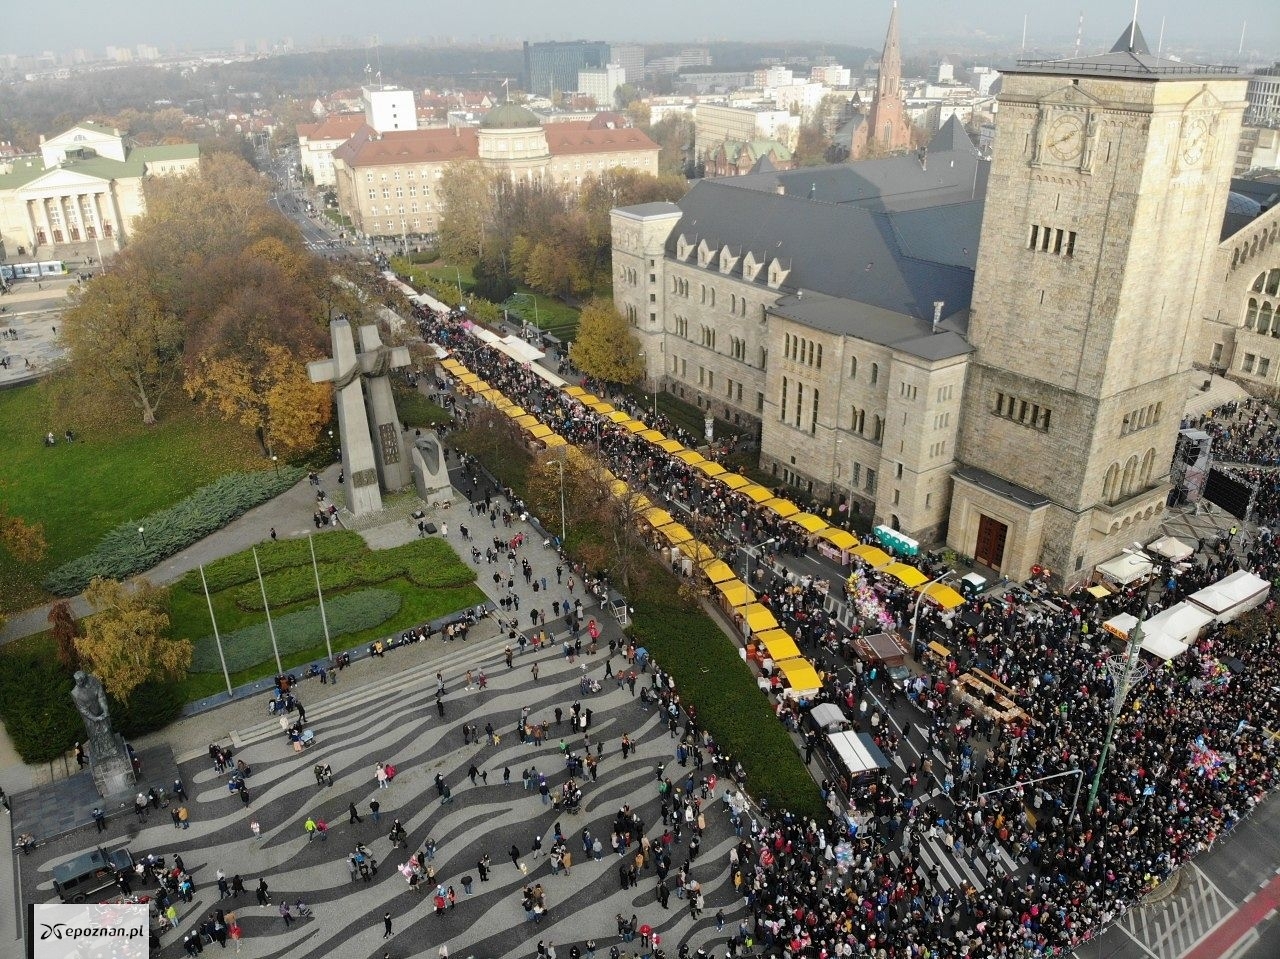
(889, 126)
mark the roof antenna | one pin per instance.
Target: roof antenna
(1160, 44)
(1133, 25)
(1079, 31)
(1024, 33)
(1243, 27)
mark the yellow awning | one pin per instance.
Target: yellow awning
(619, 488)
(778, 644)
(617, 416)
(653, 436)
(758, 617)
(698, 552)
(670, 446)
(692, 457)
(733, 480)
(528, 421)
(809, 522)
(639, 502)
(839, 538)
(554, 441)
(873, 556)
(657, 517)
(675, 534)
(574, 391)
(469, 378)
(1099, 592)
(515, 412)
(757, 494)
(736, 593)
(907, 575)
(601, 407)
(710, 468)
(717, 571)
(943, 595)
(800, 674)
(541, 431)
(586, 399)
(634, 426)
(783, 507)
(453, 366)
(502, 403)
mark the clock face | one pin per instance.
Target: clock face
(1195, 140)
(1066, 137)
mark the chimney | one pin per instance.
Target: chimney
(937, 313)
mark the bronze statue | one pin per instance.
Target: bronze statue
(91, 700)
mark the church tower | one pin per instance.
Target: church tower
(1106, 195)
(889, 127)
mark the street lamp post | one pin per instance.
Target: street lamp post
(1125, 675)
(275, 461)
(536, 324)
(142, 531)
(752, 551)
(560, 463)
(458, 276)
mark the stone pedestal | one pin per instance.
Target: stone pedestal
(111, 767)
(430, 472)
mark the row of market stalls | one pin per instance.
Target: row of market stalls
(1172, 631)
(767, 645)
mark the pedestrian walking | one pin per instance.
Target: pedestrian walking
(99, 819)
(376, 809)
(355, 816)
(386, 925)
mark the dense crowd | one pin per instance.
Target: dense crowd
(1192, 752)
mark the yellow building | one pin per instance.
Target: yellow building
(388, 183)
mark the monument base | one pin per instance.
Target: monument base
(111, 767)
(430, 474)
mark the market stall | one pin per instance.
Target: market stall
(1232, 596)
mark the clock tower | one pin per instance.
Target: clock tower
(1107, 191)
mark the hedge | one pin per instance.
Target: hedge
(303, 629)
(35, 704)
(711, 675)
(238, 567)
(429, 563)
(123, 552)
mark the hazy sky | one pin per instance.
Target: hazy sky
(184, 24)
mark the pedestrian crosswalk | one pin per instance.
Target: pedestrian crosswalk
(980, 868)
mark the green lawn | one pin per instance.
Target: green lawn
(112, 473)
(426, 562)
(685, 414)
(415, 409)
(554, 317)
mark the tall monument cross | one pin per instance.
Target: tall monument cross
(370, 468)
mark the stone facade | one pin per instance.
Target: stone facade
(1102, 213)
(1241, 335)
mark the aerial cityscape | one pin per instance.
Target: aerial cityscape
(660, 486)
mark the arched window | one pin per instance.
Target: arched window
(733, 302)
(1130, 476)
(853, 368)
(859, 420)
(1251, 314)
(1259, 283)
(1235, 259)
(879, 433)
(1110, 483)
(875, 373)
(1148, 464)
(1273, 282)
(1264, 319)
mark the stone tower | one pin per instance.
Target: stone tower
(1106, 195)
(889, 126)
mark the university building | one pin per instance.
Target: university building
(86, 186)
(388, 182)
(992, 354)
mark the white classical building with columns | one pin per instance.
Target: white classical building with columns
(84, 187)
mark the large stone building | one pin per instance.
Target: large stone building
(317, 141)
(86, 186)
(388, 183)
(995, 354)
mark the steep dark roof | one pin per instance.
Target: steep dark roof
(874, 324)
(844, 250)
(951, 136)
(1129, 58)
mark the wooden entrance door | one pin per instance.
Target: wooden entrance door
(990, 547)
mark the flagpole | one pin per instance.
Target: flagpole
(216, 638)
(324, 620)
(270, 626)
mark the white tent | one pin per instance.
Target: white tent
(1171, 548)
(519, 350)
(1126, 568)
(1119, 625)
(1183, 622)
(857, 753)
(828, 716)
(1158, 644)
(1232, 596)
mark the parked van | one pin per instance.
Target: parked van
(79, 878)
